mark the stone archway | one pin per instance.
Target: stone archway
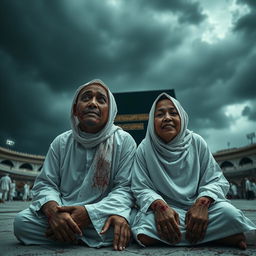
(7, 162)
(226, 164)
(26, 166)
(245, 160)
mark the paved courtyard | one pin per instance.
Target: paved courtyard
(9, 246)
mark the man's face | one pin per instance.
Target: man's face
(92, 108)
(166, 120)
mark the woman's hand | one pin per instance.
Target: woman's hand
(197, 220)
(167, 222)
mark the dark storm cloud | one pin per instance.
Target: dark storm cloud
(49, 48)
(247, 23)
(244, 84)
(188, 11)
(48, 40)
(203, 79)
(226, 80)
(222, 76)
(41, 36)
(250, 112)
(29, 113)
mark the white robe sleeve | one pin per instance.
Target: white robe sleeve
(120, 200)
(46, 187)
(212, 182)
(142, 186)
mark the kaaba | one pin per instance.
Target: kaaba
(133, 110)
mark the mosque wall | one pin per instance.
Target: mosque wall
(236, 164)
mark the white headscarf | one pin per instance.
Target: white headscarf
(103, 139)
(89, 140)
(176, 149)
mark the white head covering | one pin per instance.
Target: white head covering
(179, 144)
(103, 139)
(89, 140)
(180, 171)
(166, 163)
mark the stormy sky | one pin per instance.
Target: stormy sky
(204, 50)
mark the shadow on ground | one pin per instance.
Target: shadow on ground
(9, 246)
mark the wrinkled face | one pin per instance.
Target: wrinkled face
(166, 120)
(92, 108)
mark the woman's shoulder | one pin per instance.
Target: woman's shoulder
(198, 140)
(142, 147)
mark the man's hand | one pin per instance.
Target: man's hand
(197, 220)
(122, 231)
(78, 213)
(61, 225)
(167, 222)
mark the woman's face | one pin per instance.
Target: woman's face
(166, 120)
(92, 108)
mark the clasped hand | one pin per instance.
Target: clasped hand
(67, 222)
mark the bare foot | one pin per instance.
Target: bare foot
(147, 240)
(242, 245)
(237, 240)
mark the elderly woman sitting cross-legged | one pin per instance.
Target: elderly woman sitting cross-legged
(83, 195)
(180, 188)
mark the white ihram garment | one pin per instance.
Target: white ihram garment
(73, 175)
(180, 172)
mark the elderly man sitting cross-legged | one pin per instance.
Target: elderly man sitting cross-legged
(82, 194)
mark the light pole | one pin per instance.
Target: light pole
(250, 136)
